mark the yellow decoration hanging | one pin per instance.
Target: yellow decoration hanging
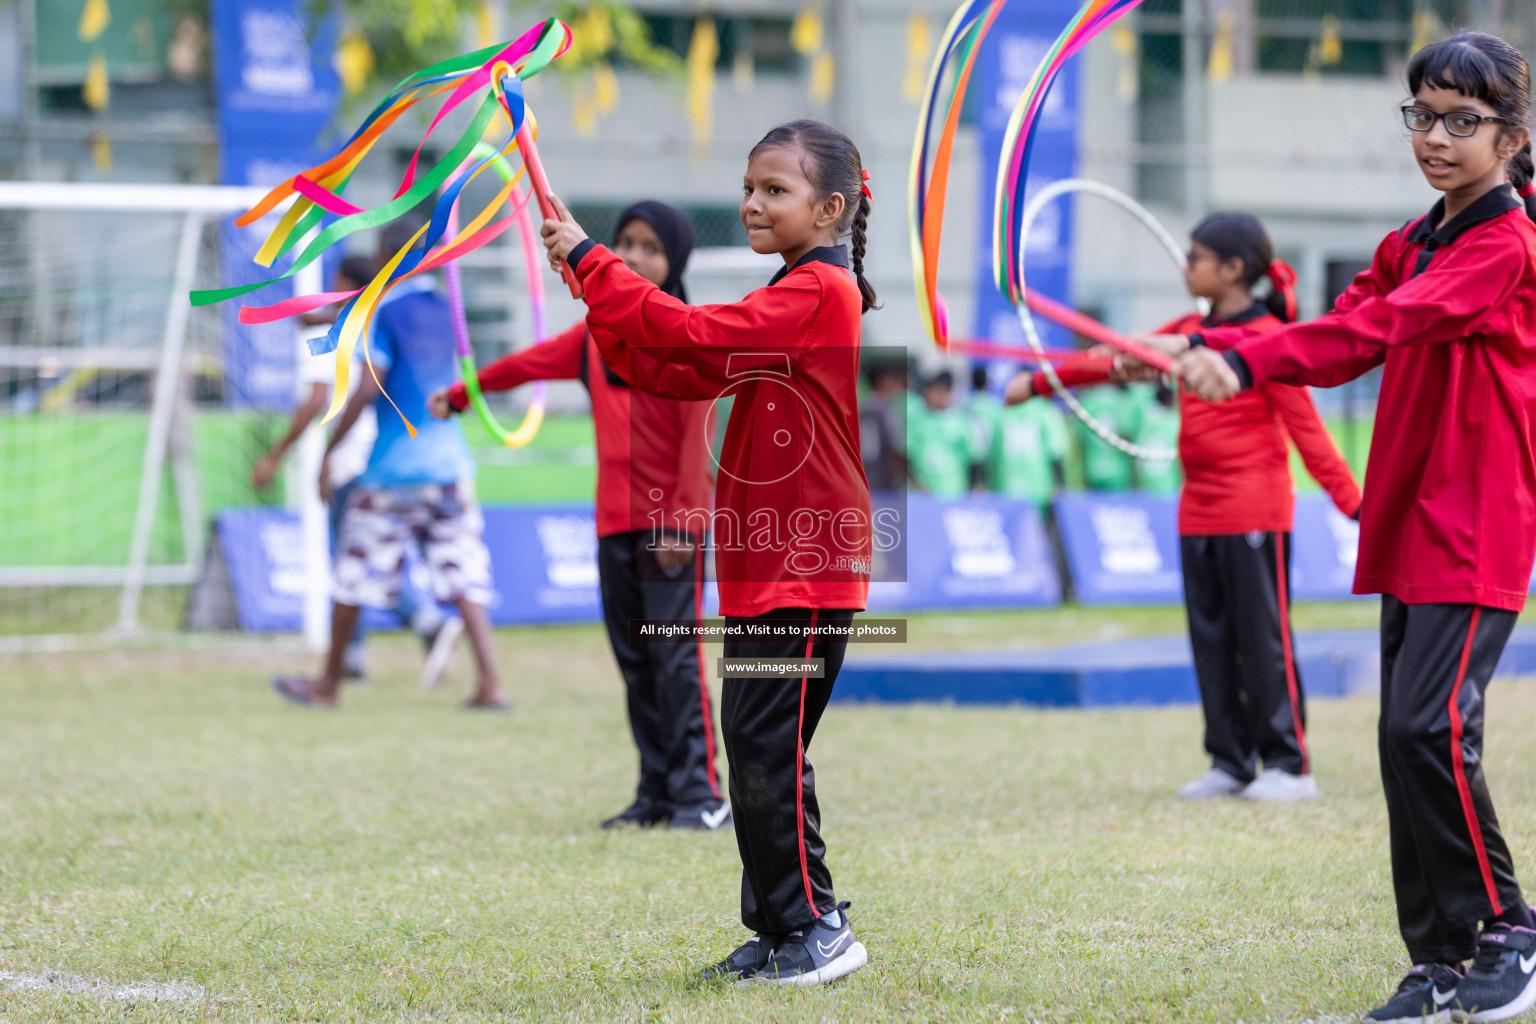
(1128, 80)
(807, 35)
(823, 77)
(101, 153)
(1426, 29)
(744, 72)
(485, 25)
(1330, 48)
(919, 48)
(97, 91)
(592, 35)
(1219, 69)
(606, 85)
(354, 61)
(584, 109)
(703, 51)
(94, 19)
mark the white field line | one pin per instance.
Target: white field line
(59, 983)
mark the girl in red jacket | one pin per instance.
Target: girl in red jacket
(1448, 309)
(1235, 524)
(644, 444)
(791, 527)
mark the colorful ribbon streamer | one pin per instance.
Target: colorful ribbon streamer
(496, 74)
(928, 189)
(1019, 140)
(530, 238)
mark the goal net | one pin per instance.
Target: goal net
(116, 435)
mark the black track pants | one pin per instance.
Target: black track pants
(768, 724)
(669, 706)
(1450, 867)
(1237, 596)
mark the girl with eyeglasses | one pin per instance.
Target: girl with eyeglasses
(1235, 513)
(1448, 539)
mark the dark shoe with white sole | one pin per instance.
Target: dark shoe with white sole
(745, 960)
(1424, 996)
(822, 951)
(1501, 983)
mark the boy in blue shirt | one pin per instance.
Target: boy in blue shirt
(417, 488)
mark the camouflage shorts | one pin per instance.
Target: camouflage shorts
(443, 520)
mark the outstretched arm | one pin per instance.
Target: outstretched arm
(1318, 452)
(559, 358)
(665, 346)
(1466, 292)
(303, 416)
(366, 394)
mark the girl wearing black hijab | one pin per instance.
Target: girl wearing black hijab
(652, 467)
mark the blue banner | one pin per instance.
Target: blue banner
(1008, 58)
(543, 564)
(1124, 548)
(263, 550)
(1121, 548)
(974, 552)
(276, 92)
(1324, 545)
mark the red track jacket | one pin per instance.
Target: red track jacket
(1237, 471)
(652, 453)
(792, 528)
(1451, 312)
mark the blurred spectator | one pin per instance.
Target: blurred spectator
(882, 435)
(939, 443)
(417, 489)
(983, 409)
(1116, 407)
(1028, 454)
(1159, 428)
(317, 376)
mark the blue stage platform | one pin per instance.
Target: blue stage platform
(1149, 671)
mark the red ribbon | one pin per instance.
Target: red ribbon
(864, 174)
(1283, 276)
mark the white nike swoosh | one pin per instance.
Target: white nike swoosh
(829, 950)
(1441, 998)
(713, 820)
(1527, 965)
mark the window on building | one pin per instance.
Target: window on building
(1326, 37)
(1160, 126)
(764, 39)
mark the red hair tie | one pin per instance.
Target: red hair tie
(864, 174)
(1283, 276)
(1527, 191)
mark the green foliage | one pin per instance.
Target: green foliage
(406, 35)
(604, 31)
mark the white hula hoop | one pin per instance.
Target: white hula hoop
(1031, 213)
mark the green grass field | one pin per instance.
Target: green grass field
(166, 820)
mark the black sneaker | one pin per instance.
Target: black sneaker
(1501, 983)
(702, 817)
(816, 954)
(1423, 997)
(641, 813)
(746, 960)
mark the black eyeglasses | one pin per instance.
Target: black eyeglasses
(1460, 123)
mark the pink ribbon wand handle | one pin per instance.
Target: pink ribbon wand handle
(540, 183)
